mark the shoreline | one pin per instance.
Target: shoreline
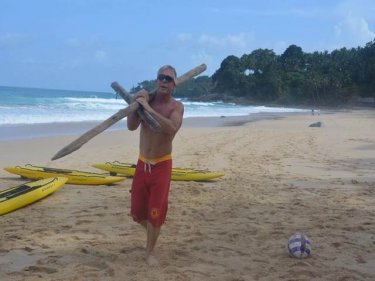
(31, 131)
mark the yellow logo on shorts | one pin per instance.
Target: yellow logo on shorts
(154, 213)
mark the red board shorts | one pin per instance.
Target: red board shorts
(150, 188)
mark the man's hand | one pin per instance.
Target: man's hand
(144, 103)
(141, 94)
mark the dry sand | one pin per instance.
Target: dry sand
(281, 176)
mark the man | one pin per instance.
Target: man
(150, 187)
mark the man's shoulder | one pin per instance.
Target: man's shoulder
(177, 103)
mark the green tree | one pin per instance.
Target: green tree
(293, 59)
(368, 61)
(148, 85)
(195, 88)
(260, 79)
(294, 77)
(227, 77)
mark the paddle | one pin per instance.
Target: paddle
(122, 113)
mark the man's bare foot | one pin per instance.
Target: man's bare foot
(151, 260)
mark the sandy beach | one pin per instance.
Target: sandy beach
(281, 177)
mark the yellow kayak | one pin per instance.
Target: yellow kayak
(178, 174)
(73, 176)
(19, 196)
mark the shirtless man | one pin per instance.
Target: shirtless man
(150, 187)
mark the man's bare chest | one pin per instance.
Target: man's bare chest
(163, 109)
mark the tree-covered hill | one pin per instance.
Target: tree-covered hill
(292, 78)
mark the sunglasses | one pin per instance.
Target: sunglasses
(165, 78)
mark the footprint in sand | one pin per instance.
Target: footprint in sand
(360, 259)
(131, 250)
(28, 249)
(96, 266)
(14, 237)
(83, 222)
(66, 227)
(42, 269)
(85, 251)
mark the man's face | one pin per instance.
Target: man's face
(164, 82)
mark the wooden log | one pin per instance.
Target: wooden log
(191, 73)
(147, 117)
(76, 144)
(144, 114)
(121, 91)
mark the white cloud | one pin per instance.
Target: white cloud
(237, 41)
(287, 11)
(30, 61)
(203, 57)
(212, 49)
(73, 42)
(100, 56)
(354, 30)
(12, 40)
(279, 47)
(184, 37)
(357, 8)
(71, 64)
(89, 42)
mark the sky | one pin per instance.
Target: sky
(87, 44)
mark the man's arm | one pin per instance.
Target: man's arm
(167, 125)
(133, 119)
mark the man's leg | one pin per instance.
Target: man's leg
(144, 224)
(158, 205)
(152, 233)
(152, 237)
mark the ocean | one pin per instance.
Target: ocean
(38, 106)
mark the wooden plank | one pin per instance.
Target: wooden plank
(147, 117)
(76, 144)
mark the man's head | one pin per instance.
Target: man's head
(166, 79)
(167, 72)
